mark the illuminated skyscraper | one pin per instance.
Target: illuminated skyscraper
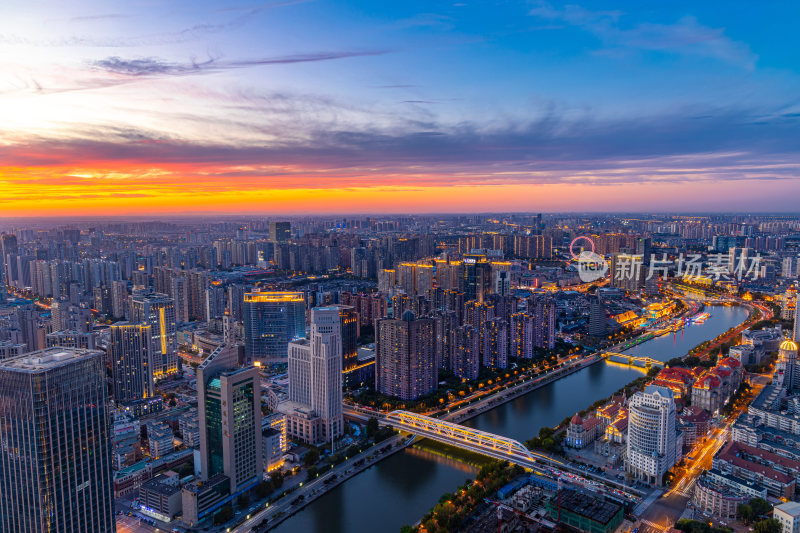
(55, 462)
(477, 278)
(158, 310)
(130, 353)
(271, 321)
(349, 332)
(405, 357)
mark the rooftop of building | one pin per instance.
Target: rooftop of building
(199, 485)
(46, 359)
(735, 479)
(269, 432)
(790, 508)
(163, 485)
(722, 489)
(588, 506)
(739, 448)
(273, 297)
(789, 344)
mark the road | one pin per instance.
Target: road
(270, 514)
(132, 524)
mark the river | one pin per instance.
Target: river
(399, 490)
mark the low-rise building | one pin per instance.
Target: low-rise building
(716, 498)
(759, 466)
(737, 484)
(582, 433)
(200, 499)
(189, 427)
(274, 440)
(160, 497)
(788, 514)
(585, 512)
(160, 439)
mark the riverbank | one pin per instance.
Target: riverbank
(506, 395)
(306, 493)
(413, 482)
(270, 517)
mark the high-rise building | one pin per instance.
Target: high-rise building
(405, 357)
(652, 437)
(466, 357)
(521, 336)
(130, 353)
(314, 410)
(271, 321)
(179, 290)
(55, 463)
(597, 317)
(158, 310)
(796, 329)
(627, 271)
(544, 334)
(787, 371)
(477, 281)
(119, 298)
(349, 331)
(280, 231)
(229, 412)
(495, 343)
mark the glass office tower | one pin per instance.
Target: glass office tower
(271, 321)
(55, 461)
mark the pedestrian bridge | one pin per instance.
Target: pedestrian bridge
(643, 362)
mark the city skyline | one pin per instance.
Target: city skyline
(314, 107)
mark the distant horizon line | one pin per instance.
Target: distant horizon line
(227, 215)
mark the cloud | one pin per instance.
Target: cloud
(157, 67)
(687, 146)
(182, 35)
(686, 36)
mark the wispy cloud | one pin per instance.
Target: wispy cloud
(686, 36)
(687, 146)
(157, 67)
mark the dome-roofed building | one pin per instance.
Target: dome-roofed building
(580, 432)
(786, 370)
(789, 344)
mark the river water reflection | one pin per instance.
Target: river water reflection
(399, 490)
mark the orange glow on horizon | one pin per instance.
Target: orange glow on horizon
(130, 188)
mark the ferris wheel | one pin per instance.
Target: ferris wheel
(576, 239)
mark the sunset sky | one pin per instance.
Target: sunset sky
(173, 106)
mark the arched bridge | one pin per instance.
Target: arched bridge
(644, 362)
(505, 449)
(463, 437)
